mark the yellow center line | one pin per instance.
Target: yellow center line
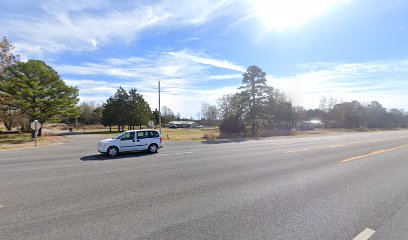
(373, 153)
(332, 146)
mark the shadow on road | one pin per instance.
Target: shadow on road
(102, 157)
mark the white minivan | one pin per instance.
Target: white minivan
(135, 140)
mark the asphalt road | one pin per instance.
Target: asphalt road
(324, 187)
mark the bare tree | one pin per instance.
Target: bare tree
(8, 115)
(7, 58)
(198, 116)
(327, 105)
(209, 113)
(167, 115)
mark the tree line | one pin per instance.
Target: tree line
(258, 107)
(354, 114)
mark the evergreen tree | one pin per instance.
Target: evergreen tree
(254, 87)
(38, 92)
(126, 108)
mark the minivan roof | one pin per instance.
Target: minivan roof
(138, 130)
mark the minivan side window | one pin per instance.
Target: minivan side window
(153, 134)
(141, 135)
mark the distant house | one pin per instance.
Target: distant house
(183, 124)
(309, 125)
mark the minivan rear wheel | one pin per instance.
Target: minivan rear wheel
(153, 148)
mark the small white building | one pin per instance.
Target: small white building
(182, 124)
(309, 125)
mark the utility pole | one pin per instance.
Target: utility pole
(159, 111)
(35, 132)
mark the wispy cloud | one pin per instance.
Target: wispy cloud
(185, 78)
(57, 26)
(183, 64)
(190, 39)
(203, 59)
(225, 77)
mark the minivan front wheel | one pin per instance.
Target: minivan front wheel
(112, 151)
(153, 148)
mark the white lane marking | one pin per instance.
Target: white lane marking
(168, 154)
(365, 235)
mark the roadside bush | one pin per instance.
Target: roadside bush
(210, 136)
(232, 126)
(277, 132)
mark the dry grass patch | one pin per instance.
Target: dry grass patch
(187, 134)
(2, 127)
(18, 141)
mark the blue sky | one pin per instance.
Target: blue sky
(347, 49)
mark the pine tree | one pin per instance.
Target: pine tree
(38, 92)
